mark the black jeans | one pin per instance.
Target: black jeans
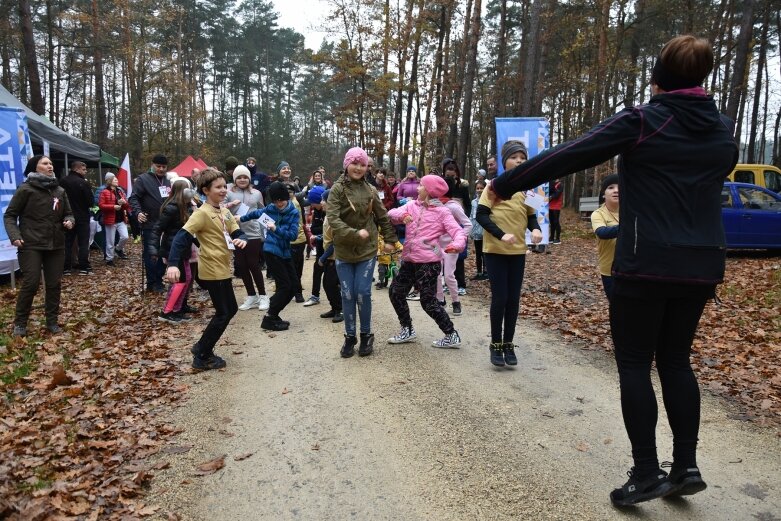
(505, 273)
(460, 273)
(479, 255)
(331, 285)
(154, 270)
(662, 328)
(317, 270)
(286, 281)
(555, 225)
(224, 302)
(424, 277)
(297, 256)
(80, 235)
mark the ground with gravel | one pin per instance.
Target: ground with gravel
(415, 432)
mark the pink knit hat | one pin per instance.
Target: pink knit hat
(355, 155)
(434, 185)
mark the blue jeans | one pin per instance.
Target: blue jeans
(154, 270)
(355, 280)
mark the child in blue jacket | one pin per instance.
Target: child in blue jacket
(278, 253)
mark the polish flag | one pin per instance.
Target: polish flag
(125, 181)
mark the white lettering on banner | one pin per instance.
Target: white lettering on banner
(4, 136)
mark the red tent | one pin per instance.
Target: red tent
(185, 168)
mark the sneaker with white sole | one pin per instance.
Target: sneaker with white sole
(249, 303)
(461, 292)
(451, 341)
(311, 301)
(407, 334)
(413, 296)
(263, 302)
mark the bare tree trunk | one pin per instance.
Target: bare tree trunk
(752, 141)
(531, 60)
(738, 83)
(380, 155)
(100, 98)
(469, 80)
(411, 90)
(30, 59)
(457, 85)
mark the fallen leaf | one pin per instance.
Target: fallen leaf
(59, 378)
(582, 446)
(237, 352)
(316, 446)
(210, 467)
(242, 457)
(176, 449)
(285, 391)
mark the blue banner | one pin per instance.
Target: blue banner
(15, 149)
(535, 134)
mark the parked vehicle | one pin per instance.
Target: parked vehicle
(766, 176)
(751, 216)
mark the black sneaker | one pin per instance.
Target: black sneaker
(171, 318)
(339, 317)
(188, 309)
(685, 480)
(299, 298)
(457, 309)
(110, 263)
(121, 254)
(636, 491)
(497, 354)
(182, 317)
(54, 328)
(273, 324)
(207, 364)
(348, 348)
(509, 353)
(331, 313)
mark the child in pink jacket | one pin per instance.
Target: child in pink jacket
(449, 260)
(426, 220)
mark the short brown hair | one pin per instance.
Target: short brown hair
(208, 176)
(688, 57)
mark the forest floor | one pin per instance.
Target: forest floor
(92, 415)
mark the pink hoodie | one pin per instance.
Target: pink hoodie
(457, 210)
(429, 224)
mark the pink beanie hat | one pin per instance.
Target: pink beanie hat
(355, 155)
(434, 185)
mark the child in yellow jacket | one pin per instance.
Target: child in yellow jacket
(384, 263)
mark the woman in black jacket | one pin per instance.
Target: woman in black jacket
(174, 212)
(674, 154)
(36, 220)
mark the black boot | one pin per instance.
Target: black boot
(348, 349)
(367, 344)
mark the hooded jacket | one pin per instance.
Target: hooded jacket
(40, 205)
(407, 188)
(674, 154)
(429, 223)
(286, 223)
(352, 206)
(146, 197)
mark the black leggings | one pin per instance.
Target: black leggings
(505, 272)
(246, 263)
(479, 255)
(224, 302)
(644, 328)
(425, 277)
(459, 273)
(555, 225)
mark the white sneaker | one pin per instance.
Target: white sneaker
(461, 291)
(263, 302)
(311, 301)
(407, 334)
(413, 296)
(249, 303)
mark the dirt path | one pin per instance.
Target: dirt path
(413, 432)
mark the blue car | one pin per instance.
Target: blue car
(751, 216)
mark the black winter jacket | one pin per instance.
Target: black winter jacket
(674, 154)
(79, 195)
(146, 197)
(166, 227)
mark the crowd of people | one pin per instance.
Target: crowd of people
(658, 271)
